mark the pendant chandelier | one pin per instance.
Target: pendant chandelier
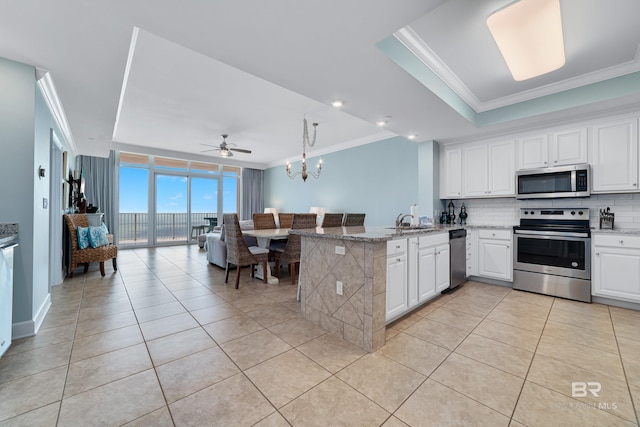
(306, 141)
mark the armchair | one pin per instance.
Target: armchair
(89, 254)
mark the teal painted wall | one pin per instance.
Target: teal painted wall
(25, 131)
(18, 174)
(379, 179)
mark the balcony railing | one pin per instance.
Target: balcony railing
(170, 227)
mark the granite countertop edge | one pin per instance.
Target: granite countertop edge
(382, 234)
(631, 231)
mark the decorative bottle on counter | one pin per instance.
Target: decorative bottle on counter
(463, 215)
(443, 217)
(451, 217)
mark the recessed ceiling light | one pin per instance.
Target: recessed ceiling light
(529, 36)
(337, 103)
(383, 122)
(412, 136)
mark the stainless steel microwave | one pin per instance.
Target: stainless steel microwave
(549, 183)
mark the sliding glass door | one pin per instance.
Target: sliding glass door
(204, 202)
(162, 199)
(172, 217)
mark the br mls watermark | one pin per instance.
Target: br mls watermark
(583, 389)
(590, 389)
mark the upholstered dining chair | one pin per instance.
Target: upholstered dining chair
(89, 254)
(286, 219)
(263, 221)
(332, 220)
(353, 219)
(290, 254)
(238, 253)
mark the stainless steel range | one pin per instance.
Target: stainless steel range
(552, 253)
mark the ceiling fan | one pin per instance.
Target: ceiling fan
(225, 148)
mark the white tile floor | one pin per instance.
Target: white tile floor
(164, 342)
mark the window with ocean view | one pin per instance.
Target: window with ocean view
(161, 199)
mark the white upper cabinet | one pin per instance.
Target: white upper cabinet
(560, 148)
(501, 169)
(451, 174)
(533, 152)
(476, 171)
(488, 170)
(614, 164)
(568, 147)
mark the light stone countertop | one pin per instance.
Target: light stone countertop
(616, 231)
(8, 234)
(380, 233)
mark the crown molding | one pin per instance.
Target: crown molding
(45, 82)
(419, 48)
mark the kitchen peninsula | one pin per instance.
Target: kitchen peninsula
(343, 279)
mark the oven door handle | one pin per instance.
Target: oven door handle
(550, 233)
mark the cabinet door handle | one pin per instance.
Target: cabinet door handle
(398, 259)
(555, 161)
(597, 253)
(545, 163)
(622, 242)
(635, 184)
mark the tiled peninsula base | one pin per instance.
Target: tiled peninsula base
(358, 315)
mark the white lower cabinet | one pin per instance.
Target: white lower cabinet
(472, 252)
(417, 271)
(495, 254)
(397, 280)
(616, 267)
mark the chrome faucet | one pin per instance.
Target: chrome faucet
(400, 218)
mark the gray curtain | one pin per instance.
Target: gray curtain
(252, 192)
(99, 186)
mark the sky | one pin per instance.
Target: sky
(171, 193)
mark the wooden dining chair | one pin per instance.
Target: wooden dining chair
(238, 253)
(290, 254)
(286, 219)
(353, 219)
(332, 220)
(264, 221)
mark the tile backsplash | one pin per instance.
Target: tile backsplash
(506, 211)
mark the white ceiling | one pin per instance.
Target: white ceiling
(168, 76)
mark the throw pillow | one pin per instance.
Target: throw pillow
(104, 227)
(97, 237)
(83, 237)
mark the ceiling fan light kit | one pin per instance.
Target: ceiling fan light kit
(529, 36)
(306, 141)
(225, 149)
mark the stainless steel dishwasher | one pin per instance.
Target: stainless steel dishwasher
(458, 258)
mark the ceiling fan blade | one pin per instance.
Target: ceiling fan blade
(213, 149)
(240, 150)
(209, 145)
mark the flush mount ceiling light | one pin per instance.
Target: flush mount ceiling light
(529, 36)
(337, 103)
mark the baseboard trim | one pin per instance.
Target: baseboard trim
(42, 312)
(29, 328)
(22, 330)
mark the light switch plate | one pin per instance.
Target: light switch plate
(339, 287)
(45, 203)
(339, 250)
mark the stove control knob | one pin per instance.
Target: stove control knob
(526, 212)
(580, 213)
(573, 212)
